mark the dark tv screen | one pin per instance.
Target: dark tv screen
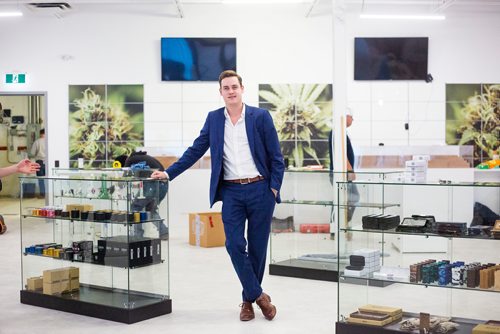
(392, 58)
(196, 59)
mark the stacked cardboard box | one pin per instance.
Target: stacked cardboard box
(34, 283)
(206, 229)
(416, 169)
(61, 280)
(490, 327)
(376, 315)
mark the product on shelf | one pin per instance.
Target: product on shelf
(416, 224)
(34, 283)
(369, 318)
(282, 225)
(380, 222)
(314, 228)
(495, 231)
(363, 262)
(61, 280)
(436, 324)
(449, 228)
(488, 328)
(393, 274)
(395, 313)
(128, 251)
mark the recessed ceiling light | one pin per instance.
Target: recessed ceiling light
(265, 1)
(401, 17)
(10, 14)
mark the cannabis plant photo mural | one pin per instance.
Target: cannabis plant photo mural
(302, 114)
(105, 121)
(473, 118)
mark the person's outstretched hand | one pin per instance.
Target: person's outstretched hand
(159, 175)
(27, 167)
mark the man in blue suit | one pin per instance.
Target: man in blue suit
(247, 172)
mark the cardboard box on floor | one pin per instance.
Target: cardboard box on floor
(206, 229)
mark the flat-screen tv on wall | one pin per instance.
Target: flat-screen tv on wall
(392, 58)
(196, 59)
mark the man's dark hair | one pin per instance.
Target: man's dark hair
(42, 132)
(229, 74)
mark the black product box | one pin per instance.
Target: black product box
(415, 224)
(123, 251)
(449, 228)
(85, 245)
(380, 222)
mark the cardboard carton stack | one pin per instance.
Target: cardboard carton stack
(34, 283)
(61, 280)
(206, 229)
(376, 315)
(416, 169)
(490, 327)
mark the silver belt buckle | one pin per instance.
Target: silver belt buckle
(248, 181)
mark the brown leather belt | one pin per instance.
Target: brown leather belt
(246, 180)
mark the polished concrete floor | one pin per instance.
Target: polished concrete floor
(205, 291)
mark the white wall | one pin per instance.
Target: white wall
(461, 50)
(275, 44)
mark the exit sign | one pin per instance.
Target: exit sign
(15, 78)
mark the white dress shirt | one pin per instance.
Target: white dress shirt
(237, 159)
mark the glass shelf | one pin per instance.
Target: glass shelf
(95, 221)
(370, 278)
(369, 205)
(94, 198)
(87, 178)
(330, 203)
(431, 184)
(423, 234)
(307, 202)
(91, 262)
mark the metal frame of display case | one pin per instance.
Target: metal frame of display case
(445, 201)
(311, 190)
(112, 286)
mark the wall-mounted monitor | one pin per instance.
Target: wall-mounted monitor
(392, 58)
(196, 59)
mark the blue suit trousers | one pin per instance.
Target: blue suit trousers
(252, 205)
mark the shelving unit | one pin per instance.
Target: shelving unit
(453, 202)
(120, 256)
(306, 248)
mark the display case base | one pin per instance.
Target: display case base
(103, 304)
(304, 269)
(465, 326)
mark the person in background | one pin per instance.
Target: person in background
(353, 193)
(349, 151)
(38, 154)
(247, 172)
(24, 166)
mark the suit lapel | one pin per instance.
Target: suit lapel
(250, 127)
(221, 120)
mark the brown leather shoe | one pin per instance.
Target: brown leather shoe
(246, 312)
(268, 309)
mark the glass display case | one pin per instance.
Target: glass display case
(450, 271)
(303, 242)
(98, 247)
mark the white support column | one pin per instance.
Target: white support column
(339, 85)
(339, 105)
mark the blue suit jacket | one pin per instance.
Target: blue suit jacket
(262, 139)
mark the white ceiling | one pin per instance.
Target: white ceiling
(180, 8)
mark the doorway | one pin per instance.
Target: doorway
(22, 116)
